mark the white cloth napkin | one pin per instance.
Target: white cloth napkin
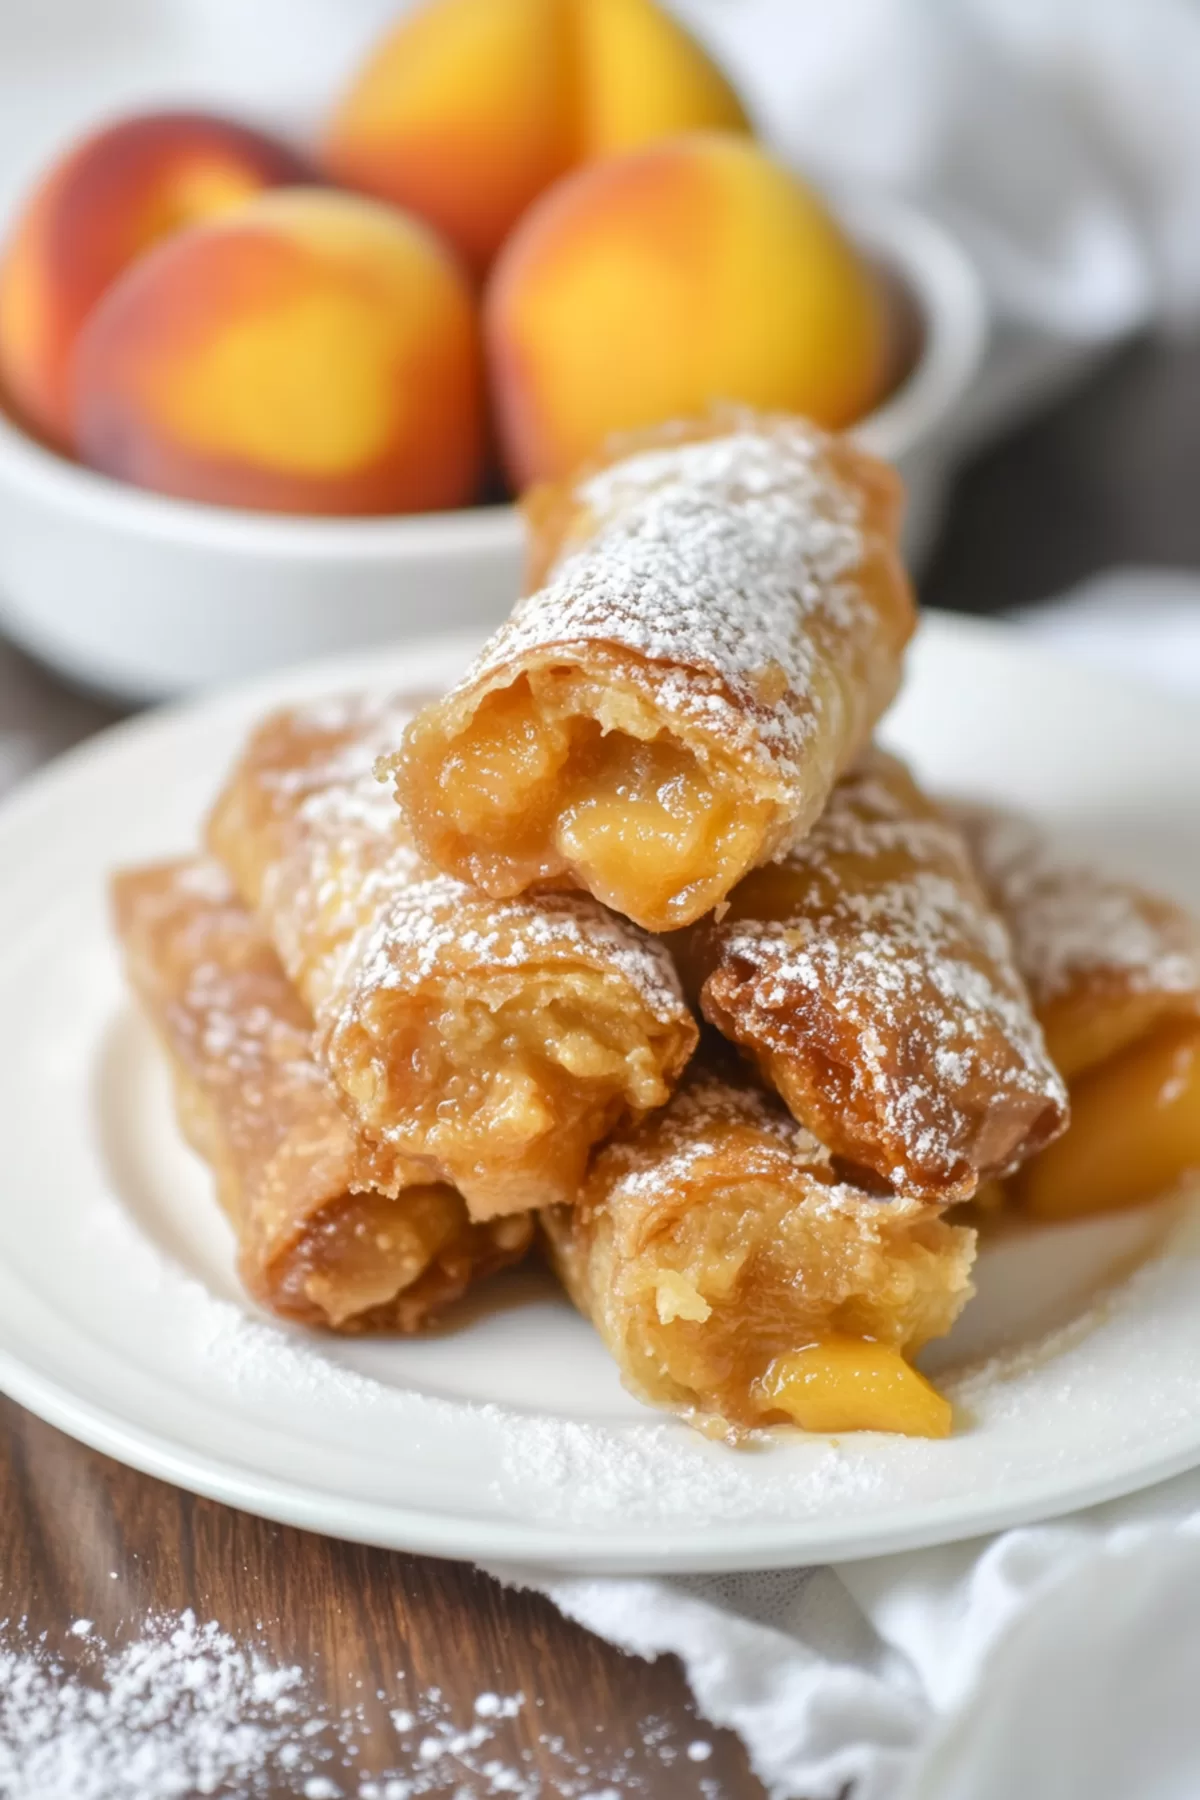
(1057, 1662)
(1060, 140)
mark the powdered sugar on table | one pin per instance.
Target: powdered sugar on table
(180, 1708)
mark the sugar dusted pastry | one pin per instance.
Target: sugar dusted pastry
(1114, 973)
(737, 1281)
(497, 1041)
(717, 621)
(868, 978)
(331, 1230)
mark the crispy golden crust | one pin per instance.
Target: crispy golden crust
(1114, 973)
(559, 521)
(498, 1041)
(1105, 961)
(871, 983)
(715, 1238)
(331, 1230)
(719, 621)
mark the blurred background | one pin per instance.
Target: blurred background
(999, 287)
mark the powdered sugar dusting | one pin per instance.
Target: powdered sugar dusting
(438, 915)
(354, 879)
(232, 1017)
(205, 879)
(225, 1029)
(1071, 922)
(531, 1436)
(183, 1708)
(573, 1473)
(347, 849)
(539, 1468)
(724, 563)
(900, 973)
(685, 1133)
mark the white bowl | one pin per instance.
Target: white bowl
(143, 596)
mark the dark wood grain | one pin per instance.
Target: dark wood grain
(1108, 476)
(83, 1538)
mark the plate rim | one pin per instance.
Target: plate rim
(549, 1547)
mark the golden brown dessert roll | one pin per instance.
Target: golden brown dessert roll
(717, 622)
(331, 1230)
(496, 1040)
(870, 981)
(1114, 973)
(736, 1280)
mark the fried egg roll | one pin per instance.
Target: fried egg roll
(495, 1040)
(738, 1281)
(1114, 973)
(331, 1230)
(867, 977)
(717, 620)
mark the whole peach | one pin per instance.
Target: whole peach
(649, 286)
(313, 353)
(468, 108)
(93, 213)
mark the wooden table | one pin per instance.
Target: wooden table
(1108, 476)
(353, 1617)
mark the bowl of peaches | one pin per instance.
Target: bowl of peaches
(263, 399)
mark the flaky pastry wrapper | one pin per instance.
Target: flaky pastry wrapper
(1114, 974)
(714, 1242)
(868, 978)
(717, 620)
(495, 1040)
(331, 1230)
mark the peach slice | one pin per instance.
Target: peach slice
(853, 1384)
(1135, 1131)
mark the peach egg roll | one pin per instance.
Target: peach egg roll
(738, 1281)
(495, 1040)
(332, 1230)
(717, 620)
(867, 977)
(1114, 973)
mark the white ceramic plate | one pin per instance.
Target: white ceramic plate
(509, 1437)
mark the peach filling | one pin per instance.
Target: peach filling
(648, 834)
(1135, 1130)
(745, 1275)
(535, 791)
(1080, 1035)
(511, 1089)
(852, 1384)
